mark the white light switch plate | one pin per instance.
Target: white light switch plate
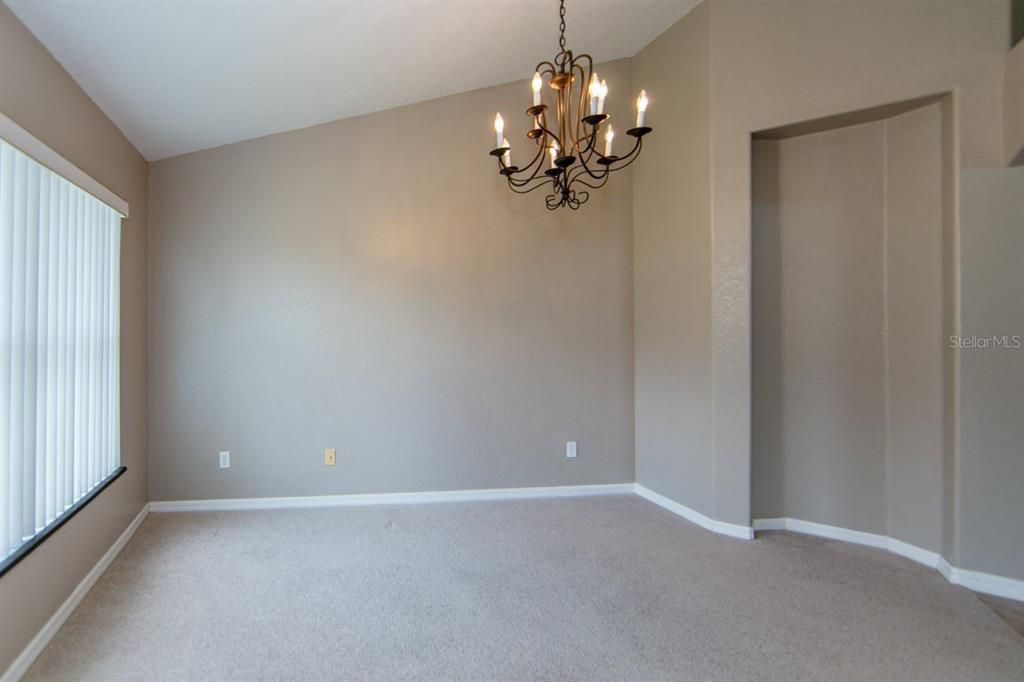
(570, 449)
(225, 459)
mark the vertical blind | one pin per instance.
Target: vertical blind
(59, 346)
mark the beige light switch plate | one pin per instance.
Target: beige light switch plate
(329, 457)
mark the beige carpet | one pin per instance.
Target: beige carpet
(1009, 610)
(609, 588)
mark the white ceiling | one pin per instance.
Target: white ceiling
(181, 75)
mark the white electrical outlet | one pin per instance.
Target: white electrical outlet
(225, 459)
(570, 449)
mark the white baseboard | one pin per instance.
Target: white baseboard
(371, 499)
(988, 583)
(822, 530)
(915, 553)
(977, 581)
(694, 516)
(28, 655)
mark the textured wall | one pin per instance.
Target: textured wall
(672, 268)
(777, 63)
(40, 96)
(780, 62)
(370, 285)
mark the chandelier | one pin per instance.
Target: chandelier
(567, 160)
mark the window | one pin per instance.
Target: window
(59, 336)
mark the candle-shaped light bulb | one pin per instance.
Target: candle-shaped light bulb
(554, 153)
(595, 93)
(499, 127)
(536, 83)
(602, 93)
(507, 157)
(608, 137)
(641, 108)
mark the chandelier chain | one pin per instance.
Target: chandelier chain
(561, 25)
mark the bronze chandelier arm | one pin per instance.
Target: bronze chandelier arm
(569, 198)
(523, 182)
(601, 183)
(540, 122)
(587, 145)
(532, 165)
(578, 174)
(591, 149)
(581, 101)
(542, 125)
(546, 67)
(559, 190)
(515, 188)
(535, 164)
(536, 171)
(629, 158)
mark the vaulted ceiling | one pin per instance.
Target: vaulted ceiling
(179, 76)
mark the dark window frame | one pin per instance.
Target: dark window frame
(55, 525)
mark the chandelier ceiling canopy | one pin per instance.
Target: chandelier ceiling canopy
(569, 159)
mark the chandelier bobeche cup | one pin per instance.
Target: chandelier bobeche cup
(567, 159)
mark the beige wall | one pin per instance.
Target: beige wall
(784, 61)
(886, 52)
(919, 380)
(40, 96)
(781, 62)
(819, 351)
(849, 379)
(371, 285)
(991, 475)
(672, 268)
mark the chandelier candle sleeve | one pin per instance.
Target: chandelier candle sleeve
(641, 108)
(567, 122)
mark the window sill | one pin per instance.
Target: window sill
(38, 539)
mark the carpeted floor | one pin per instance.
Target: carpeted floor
(1011, 611)
(604, 588)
